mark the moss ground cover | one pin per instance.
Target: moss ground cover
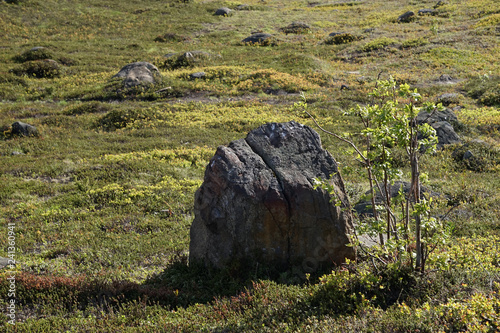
(102, 199)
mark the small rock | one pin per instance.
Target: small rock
(448, 98)
(406, 17)
(4, 262)
(276, 92)
(124, 72)
(224, 11)
(440, 3)
(23, 129)
(368, 30)
(15, 153)
(197, 75)
(468, 155)
(426, 11)
(258, 38)
(138, 73)
(333, 34)
(188, 59)
(445, 78)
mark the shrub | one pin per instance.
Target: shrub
(414, 43)
(37, 53)
(87, 107)
(485, 89)
(117, 119)
(171, 37)
(476, 156)
(39, 69)
(342, 38)
(378, 43)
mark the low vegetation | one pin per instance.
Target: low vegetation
(102, 198)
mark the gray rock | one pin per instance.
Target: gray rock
(468, 155)
(445, 133)
(4, 262)
(258, 38)
(445, 78)
(194, 56)
(224, 11)
(406, 17)
(434, 117)
(442, 122)
(333, 34)
(426, 11)
(258, 204)
(23, 129)
(197, 75)
(188, 59)
(15, 153)
(138, 73)
(440, 3)
(448, 98)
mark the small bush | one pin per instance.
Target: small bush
(476, 156)
(117, 119)
(485, 89)
(378, 43)
(296, 28)
(37, 53)
(171, 37)
(343, 38)
(414, 43)
(87, 107)
(12, 79)
(39, 69)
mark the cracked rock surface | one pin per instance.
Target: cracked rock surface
(258, 204)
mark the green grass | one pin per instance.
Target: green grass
(103, 198)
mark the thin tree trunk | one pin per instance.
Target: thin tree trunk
(415, 184)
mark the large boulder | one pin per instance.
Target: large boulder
(258, 203)
(138, 73)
